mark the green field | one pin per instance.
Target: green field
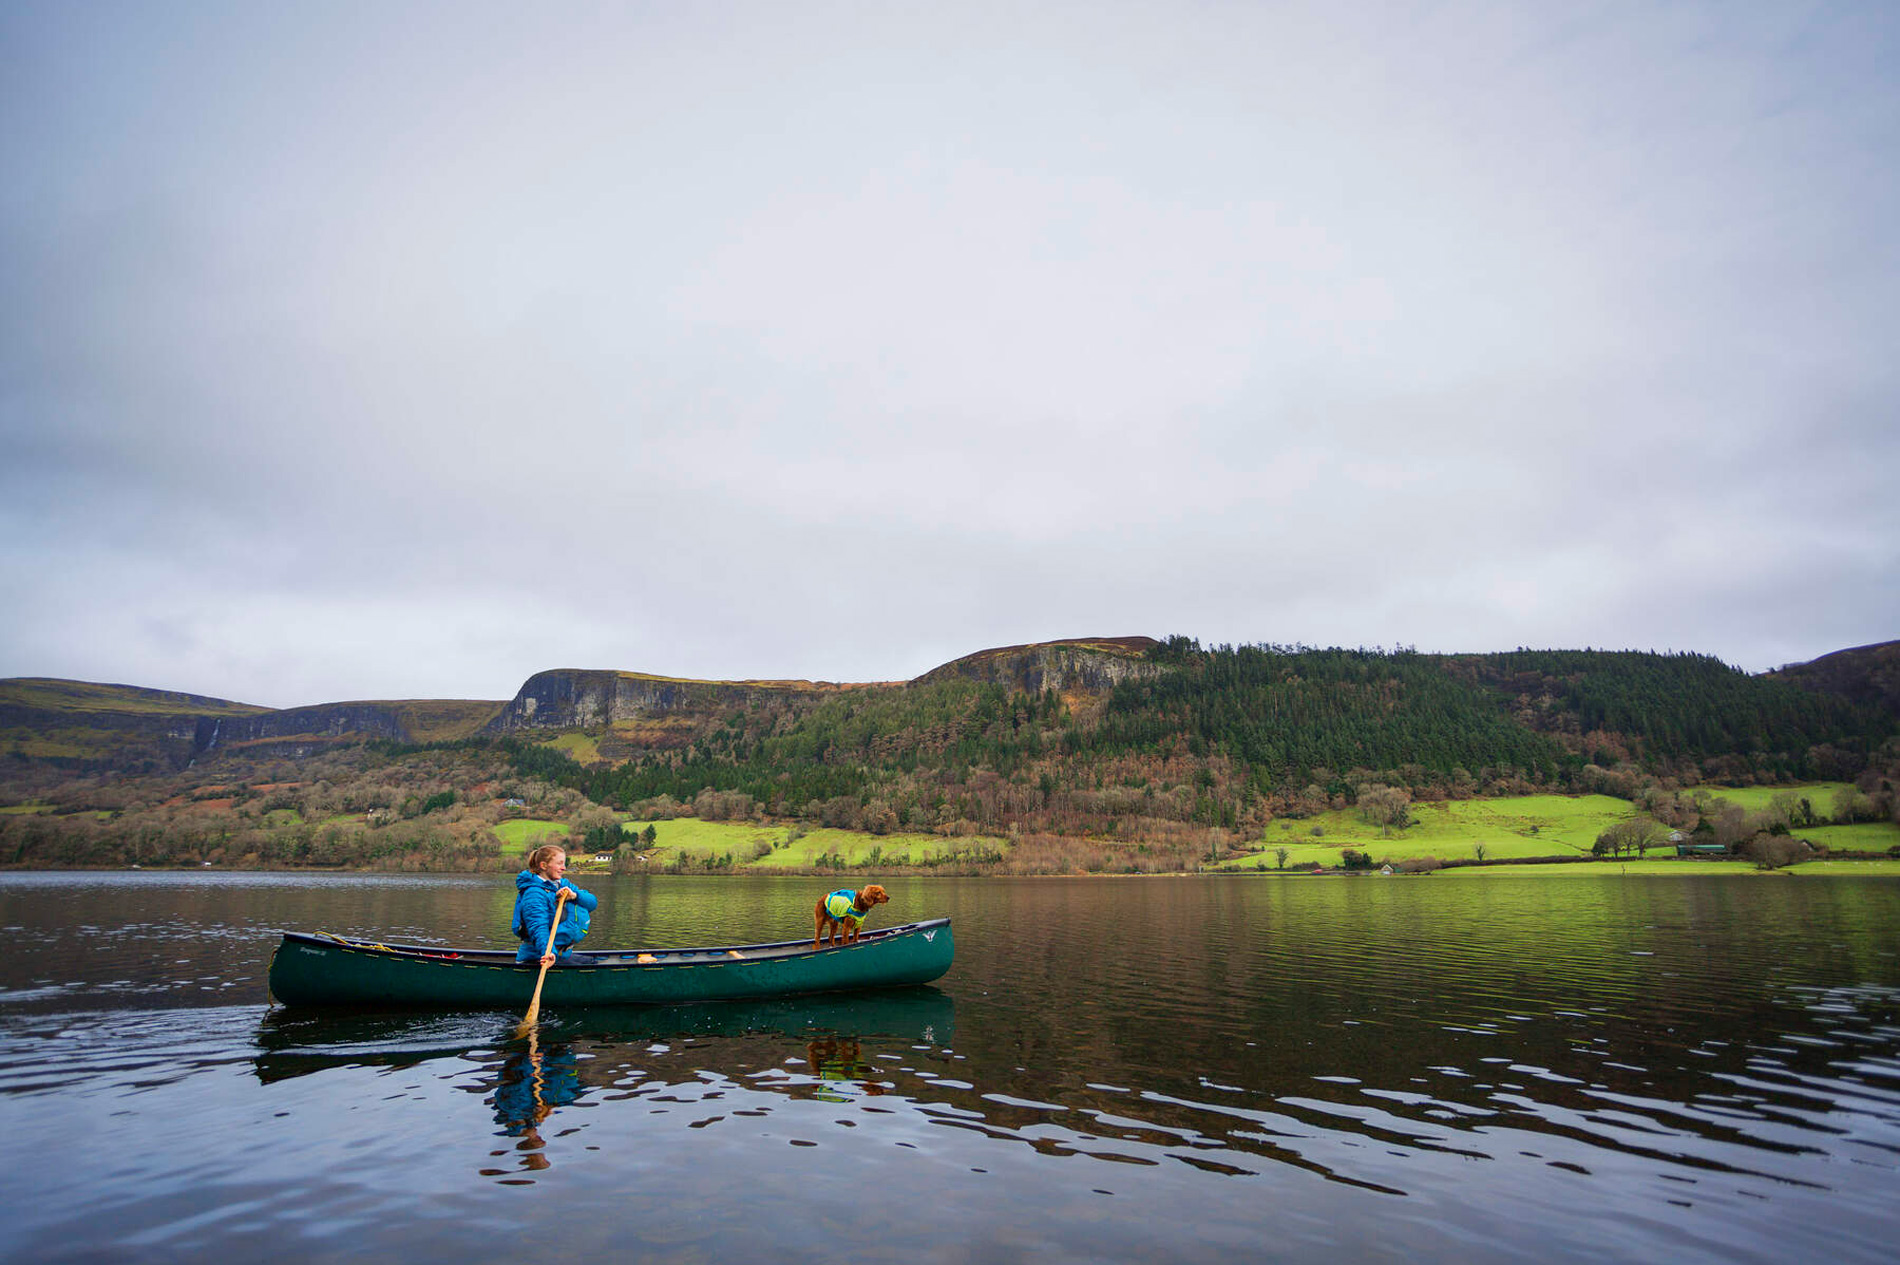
(526, 832)
(577, 746)
(743, 840)
(1755, 798)
(1601, 869)
(1889, 869)
(1866, 836)
(1527, 826)
(1671, 865)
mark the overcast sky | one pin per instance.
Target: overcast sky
(403, 350)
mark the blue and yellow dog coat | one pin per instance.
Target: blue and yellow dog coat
(843, 904)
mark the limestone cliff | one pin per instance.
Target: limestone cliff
(410, 720)
(124, 725)
(1085, 665)
(580, 698)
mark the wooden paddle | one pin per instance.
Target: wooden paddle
(534, 1006)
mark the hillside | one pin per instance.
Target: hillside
(1164, 745)
(1869, 675)
(87, 726)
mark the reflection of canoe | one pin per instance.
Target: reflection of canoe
(295, 1042)
(326, 970)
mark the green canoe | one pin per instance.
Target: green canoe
(327, 970)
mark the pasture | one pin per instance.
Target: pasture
(762, 847)
(1755, 798)
(1526, 826)
(525, 833)
(1866, 836)
(580, 747)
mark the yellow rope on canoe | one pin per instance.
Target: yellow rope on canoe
(355, 944)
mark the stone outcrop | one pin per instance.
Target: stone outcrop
(580, 698)
(116, 724)
(1086, 665)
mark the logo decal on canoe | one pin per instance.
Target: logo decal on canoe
(930, 935)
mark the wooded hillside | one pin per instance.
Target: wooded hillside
(1125, 740)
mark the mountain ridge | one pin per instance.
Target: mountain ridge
(146, 728)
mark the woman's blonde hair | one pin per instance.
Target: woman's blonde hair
(539, 858)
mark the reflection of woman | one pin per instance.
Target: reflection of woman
(537, 890)
(532, 1085)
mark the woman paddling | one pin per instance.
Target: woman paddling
(537, 889)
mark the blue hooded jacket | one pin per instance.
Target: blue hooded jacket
(534, 913)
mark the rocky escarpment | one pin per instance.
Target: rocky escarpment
(1084, 665)
(107, 725)
(303, 728)
(116, 725)
(579, 698)
(124, 726)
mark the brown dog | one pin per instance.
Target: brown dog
(840, 915)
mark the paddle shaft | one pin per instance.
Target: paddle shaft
(534, 1005)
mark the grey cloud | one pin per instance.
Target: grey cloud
(367, 350)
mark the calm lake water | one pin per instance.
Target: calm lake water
(1551, 1069)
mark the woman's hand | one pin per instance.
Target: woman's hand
(547, 959)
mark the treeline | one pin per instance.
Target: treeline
(1671, 711)
(80, 842)
(1292, 712)
(1230, 736)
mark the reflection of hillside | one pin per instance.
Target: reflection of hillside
(1684, 1098)
(1345, 1027)
(1282, 1012)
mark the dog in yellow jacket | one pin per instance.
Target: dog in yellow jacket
(840, 915)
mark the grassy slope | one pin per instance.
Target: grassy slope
(79, 719)
(525, 832)
(85, 696)
(1452, 829)
(577, 746)
(444, 720)
(1449, 830)
(1604, 869)
(1755, 798)
(1671, 865)
(700, 839)
(1866, 836)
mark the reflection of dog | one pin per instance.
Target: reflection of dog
(836, 1060)
(840, 915)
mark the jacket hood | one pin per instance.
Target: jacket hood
(525, 878)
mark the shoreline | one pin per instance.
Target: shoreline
(1859, 867)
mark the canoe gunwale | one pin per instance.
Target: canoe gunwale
(611, 959)
(324, 969)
